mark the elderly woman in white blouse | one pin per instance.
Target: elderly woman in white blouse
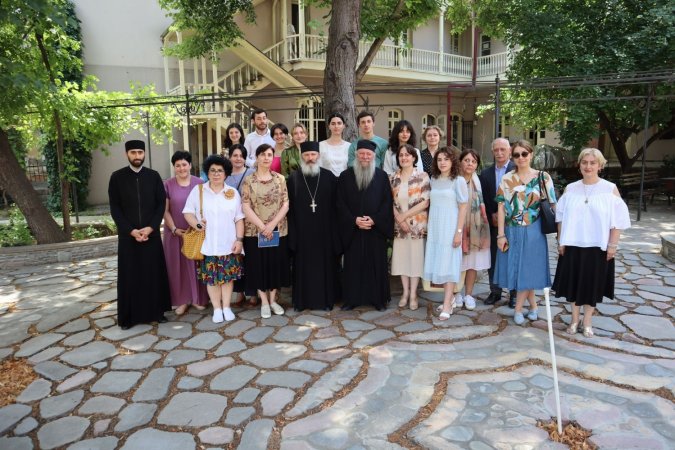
(590, 216)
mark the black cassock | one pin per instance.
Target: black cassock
(137, 200)
(365, 274)
(313, 239)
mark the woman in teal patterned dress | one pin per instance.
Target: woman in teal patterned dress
(522, 262)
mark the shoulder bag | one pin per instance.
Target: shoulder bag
(193, 239)
(546, 213)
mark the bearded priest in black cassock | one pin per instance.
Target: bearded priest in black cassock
(137, 204)
(312, 232)
(366, 222)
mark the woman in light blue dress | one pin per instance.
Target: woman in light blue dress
(443, 256)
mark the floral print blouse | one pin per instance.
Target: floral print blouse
(266, 199)
(419, 189)
(521, 201)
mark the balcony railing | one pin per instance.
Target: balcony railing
(400, 57)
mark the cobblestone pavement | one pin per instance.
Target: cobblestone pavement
(337, 380)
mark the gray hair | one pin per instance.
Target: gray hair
(506, 141)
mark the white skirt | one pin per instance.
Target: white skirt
(476, 260)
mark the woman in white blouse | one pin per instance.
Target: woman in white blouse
(223, 221)
(590, 216)
(334, 150)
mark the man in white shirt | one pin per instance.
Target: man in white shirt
(490, 177)
(260, 135)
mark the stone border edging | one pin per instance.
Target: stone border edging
(27, 255)
(668, 246)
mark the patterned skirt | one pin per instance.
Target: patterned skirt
(216, 270)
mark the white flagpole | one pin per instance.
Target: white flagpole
(553, 361)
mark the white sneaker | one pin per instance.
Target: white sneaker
(228, 314)
(469, 302)
(459, 301)
(217, 316)
(276, 308)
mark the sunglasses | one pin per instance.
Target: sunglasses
(518, 155)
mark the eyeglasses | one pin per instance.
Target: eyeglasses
(518, 155)
(218, 171)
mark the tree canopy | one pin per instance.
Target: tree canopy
(587, 39)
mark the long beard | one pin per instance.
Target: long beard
(364, 175)
(309, 170)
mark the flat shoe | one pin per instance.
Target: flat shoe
(277, 309)
(200, 307)
(414, 304)
(265, 312)
(573, 328)
(588, 332)
(181, 310)
(403, 302)
(228, 314)
(533, 314)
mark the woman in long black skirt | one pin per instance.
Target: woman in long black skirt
(590, 216)
(265, 204)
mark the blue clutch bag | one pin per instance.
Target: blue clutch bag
(264, 242)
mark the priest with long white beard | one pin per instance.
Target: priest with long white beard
(312, 232)
(366, 222)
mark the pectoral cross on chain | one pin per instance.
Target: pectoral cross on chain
(313, 206)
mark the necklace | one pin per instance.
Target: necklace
(590, 191)
(312, 205)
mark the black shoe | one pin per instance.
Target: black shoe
(162, 319)
(381, 308)
(347, 307)
(512, 301)
(493, 298)
(328, 308)
(125, 327)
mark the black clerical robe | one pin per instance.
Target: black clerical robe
(365, 274)
(137, 200)
(313, 239)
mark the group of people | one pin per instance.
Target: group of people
(321, 216)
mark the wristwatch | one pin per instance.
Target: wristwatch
(199, 226)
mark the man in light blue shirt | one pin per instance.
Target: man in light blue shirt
(366, 122)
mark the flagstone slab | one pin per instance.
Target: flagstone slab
(12, 414)
(230, 346)
(269, 356)
(152, 439)
(373, 337)
(189, 383)
(180, 357)
(116, 382)
(62, 314)
(207, 367)
(654, 328)
(76, 380)
(102, 404)
(293, 333)
(37, 390)
(329, 343)
(24, 427)
(283, 378)
(204, 341)
(140, 343)
(276, 400)
(256, 434)
(135, 361)
(74, 326)
(216, 436)
(62, 431)
(53, 370)
(193, 409)
(174, 330)
(38, 343)
(234, 378)
(237, 415)
(356, 325)
(312, 321)
(135, 415)
(60, 404)
(308, 365)
(155, 385)
(247, 395)
(89, 354)
(101, 443)
(80, 338)
(118, 334)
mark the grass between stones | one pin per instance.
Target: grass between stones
(573, 434)
(15, 376)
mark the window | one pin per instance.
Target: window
(442, 123)
(485, 45)
(503, 129)
(311, 115)
(394, 116)
(454, 44)
(428, 120)
(455, 135)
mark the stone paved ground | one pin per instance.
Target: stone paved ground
(338, 380)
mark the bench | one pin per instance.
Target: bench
(629, 185)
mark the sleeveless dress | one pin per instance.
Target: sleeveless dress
(442, 261)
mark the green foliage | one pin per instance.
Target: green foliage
(559, 38)
(16, 233)
(78, 161)
(18, 146)
(94, 230)
(212, 21)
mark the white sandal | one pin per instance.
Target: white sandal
(445, 315)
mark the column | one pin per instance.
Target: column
(441, 39)
(301, 26)
(284, 28)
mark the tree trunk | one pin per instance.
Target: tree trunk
(339, 81)
(13, 180)
(65, 190)
(377, 43)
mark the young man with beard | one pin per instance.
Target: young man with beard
(311, 231)
(366, 222)
(260, 135)
(137, 204)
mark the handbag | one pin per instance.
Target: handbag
(546, 212)
(193, 239)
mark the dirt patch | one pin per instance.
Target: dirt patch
(573, 434)
(15, 376)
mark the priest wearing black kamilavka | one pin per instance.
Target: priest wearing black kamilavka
(137, 204)
(366, 223)
(312, 232)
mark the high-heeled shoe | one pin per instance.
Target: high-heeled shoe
(588, 332)
(414, 303)
(572, 329)
(403, 302)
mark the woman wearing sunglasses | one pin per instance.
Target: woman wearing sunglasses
(522, 262)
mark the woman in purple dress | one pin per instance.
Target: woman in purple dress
(185, 289)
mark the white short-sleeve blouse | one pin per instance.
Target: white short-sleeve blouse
(222, 210)
(589, 212)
